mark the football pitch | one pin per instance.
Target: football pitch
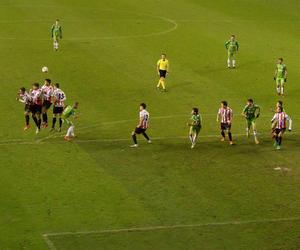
(96, 192)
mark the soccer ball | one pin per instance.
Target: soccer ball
(44, 69)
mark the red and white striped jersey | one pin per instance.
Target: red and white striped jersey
(144, 118)
(25, 98)
(59, 98)
(36, 95)
(280, 120)
(47, 92)
(225, 115)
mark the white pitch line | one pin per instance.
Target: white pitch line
(154, 228)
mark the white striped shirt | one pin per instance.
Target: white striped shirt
(36, 95)
(225, 115)
(47, 92)
(280, 120)
(25, 98)
(144, 117)
(60, 98)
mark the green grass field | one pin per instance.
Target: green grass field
(165, 195)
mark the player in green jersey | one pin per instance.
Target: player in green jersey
(280, 76)
(68, 112)
(56, 33)
(195, 126)
(232, 47)
(251, 112)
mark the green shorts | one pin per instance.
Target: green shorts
(280, 81)
(231, 54)
(195, 130)
(67, 121)
(251, 122)
(55, 38)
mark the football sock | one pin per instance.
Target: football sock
(255, 134)
(158, 83)
(228, 62)
(194, 139)
(282, 90)
(230, 136)
(191, 138)
(278, 90)
(223, 133)
(53, 122)
(146, 136)
(60, 122)
(70, 131)
(134, 138)
(35, 121)
(27, 120)
(39, 123)
(163, 84)
(233, 63)
(45, 118)
(279, 140)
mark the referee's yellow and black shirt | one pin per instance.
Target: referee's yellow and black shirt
(163, 64)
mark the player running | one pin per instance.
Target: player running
(68, 112)
(142, 126)
(47, 91)
(24, 97)
(162, 71)
(279, 126)
(232, 47)
(225, 116)
(58, 100)
(280, 76)
(56, 34)
(251, 112)
(36, 95)
(195, 126)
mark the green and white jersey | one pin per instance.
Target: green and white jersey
(280, 70)
(68, 111)
(196, 121)
(232, 46)
(56, 30)
(251, 111)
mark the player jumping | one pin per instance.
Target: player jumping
(24, 97)
(195, 126)
(232, 47)
(251, 112)
(59, 98)
(66, 115)
(162, 71)
(279, 126)
(142, 126)
(225, 116)
(56, 34)
(280, 76)
(47, 91)
(36, 95)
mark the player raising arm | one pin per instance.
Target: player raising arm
(279, 126)
(56, 34)
(195, 126)
(25, 98)
(142, 126)
(225, 116)
(251, 112)
(280, 76)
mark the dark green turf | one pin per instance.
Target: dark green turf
(107, 62)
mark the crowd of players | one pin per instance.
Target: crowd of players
(39, 99)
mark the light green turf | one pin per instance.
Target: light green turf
(107, 63)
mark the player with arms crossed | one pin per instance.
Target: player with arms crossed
(25, 98)
(37, 102)
(280, 76)
(56, 34)
(59, 98)
(225, 116)
(142, 126)
(47, 91)
(279, 126)
(68, 112)
(162, 71)
(195, 126)
(232, 47)
(251, 112)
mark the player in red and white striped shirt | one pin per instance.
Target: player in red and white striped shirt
(47, 91)
(24, 97)
(225, 116)
(36, 95)
(279, 124)
(58, 98)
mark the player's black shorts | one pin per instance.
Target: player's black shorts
(278, 130)
(47, 104)
(225, 126)
(28, 108)
(139, 130)
(58, 110)
(35, 108)
(162, 73)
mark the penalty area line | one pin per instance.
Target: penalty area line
(51, 245)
